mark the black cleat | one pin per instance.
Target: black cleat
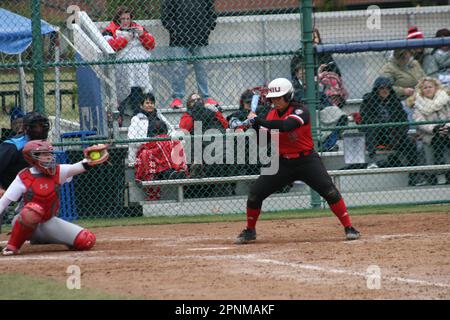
(246, 236)
(351, 233)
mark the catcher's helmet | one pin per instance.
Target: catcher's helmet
(36, 125)
(32, 154)
(280, 87)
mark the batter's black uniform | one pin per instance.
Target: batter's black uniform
(297, 161)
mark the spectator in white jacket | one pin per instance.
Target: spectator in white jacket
(144, 124)
(431, 103)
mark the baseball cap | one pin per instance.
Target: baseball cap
(16, 113)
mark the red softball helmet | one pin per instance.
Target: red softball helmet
(32, 154)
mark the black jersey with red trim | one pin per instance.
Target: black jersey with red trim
(299, 139)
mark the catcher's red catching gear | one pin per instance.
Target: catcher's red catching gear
(96, 154)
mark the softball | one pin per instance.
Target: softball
(94, 155)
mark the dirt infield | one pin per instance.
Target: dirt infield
(292, 259)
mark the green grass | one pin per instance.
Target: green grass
(20, 287)
(66, 110)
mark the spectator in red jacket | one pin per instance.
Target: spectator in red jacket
(209, 115)
(211, 118)
(127, 28)
(131, 41)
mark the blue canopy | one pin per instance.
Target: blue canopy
(16, 32)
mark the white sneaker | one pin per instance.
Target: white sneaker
(372, 165)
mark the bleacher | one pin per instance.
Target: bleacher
(358, 186)
(367, 184)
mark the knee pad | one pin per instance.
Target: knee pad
(332, 195)
(85, 240)
(31, 215)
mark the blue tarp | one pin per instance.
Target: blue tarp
(16, 32)
(90, 99)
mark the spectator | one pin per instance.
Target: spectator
(432, 104)
(244, 109)
(189, 24)
(235, 121)
(419, 54)
(330, 113)
(159, 160)
(16, 117)
(35, 127)
(245, 102)
(208, 117)
(382, 105)
(438, 63)
(324, 60)
(405, 73)
(16, 124)
(131, 41)
(297, 74)
(329, 75)
(144, 124)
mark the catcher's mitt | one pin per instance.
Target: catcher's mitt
(96, 154)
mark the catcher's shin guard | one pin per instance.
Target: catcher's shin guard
(19, 234)
(85, 240)
(31, 215)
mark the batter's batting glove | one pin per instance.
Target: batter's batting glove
(96, 154)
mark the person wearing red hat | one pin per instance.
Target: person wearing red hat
(418, 53)
(414, 33)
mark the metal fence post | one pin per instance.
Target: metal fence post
(37, 58)
(307, 36)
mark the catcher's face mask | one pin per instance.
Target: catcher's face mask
(45, 162)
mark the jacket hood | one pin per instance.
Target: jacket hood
(382, 82)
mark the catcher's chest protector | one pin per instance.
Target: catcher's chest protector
(43, 190)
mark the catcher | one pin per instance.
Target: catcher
(39, 186)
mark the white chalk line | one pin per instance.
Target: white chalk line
(212, 248)
(376, 238)
(323, 269)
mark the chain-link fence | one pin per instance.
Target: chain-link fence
(170, 84)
